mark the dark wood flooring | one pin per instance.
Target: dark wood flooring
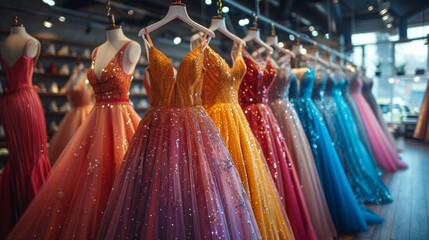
(408, 216)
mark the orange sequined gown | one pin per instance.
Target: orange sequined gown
(220, 90)
(71, 203)
(177, 179)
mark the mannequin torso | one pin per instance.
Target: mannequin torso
(17, 44)
(115, 39)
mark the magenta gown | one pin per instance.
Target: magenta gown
(253, 98)
(21, 115)
(384, 153)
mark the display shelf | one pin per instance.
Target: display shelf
(62, 57)
(49, 94)
(51, 75)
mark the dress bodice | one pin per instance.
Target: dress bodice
(221, 82)
(79, 94)
(280, 87)
(256, 82)
(301, 86)
(321, 85)
(113, 83)
(20, 74)
(367, 86)
(179, 89)
(356, 85)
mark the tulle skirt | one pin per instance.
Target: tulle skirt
(266, 130)
(301, 154)
(178, 181)
(72, 201)
(28, 166)
(255, 175)
(68, 126)
(422, 128)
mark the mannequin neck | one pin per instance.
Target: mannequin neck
(18, 30)
(115, 35)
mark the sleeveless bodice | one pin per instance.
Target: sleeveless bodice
(256, 82)
(280, 87)
(221, 82)
(182, 89)
(302, 88)
(321, 85)
(367, 86)
(79, 95)
(114, 83)
(20, 74)
(356, 85)
(335, 86)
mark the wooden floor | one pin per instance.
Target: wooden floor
(408, 216)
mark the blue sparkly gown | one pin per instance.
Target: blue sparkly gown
(348, 217)
(357, 163)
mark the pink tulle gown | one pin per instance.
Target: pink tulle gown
(253, 98)
(384, 153)
(71, 203)
(301, 154)
(177, 179)
(21, 115)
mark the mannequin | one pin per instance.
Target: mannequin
(115, 39)
(18, 43)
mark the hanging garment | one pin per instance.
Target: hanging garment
(301, 154)
(73, 200)
(177, 179)
(358, 165)
(220, 88)
(422, 128)
(348, 217)
(385, 155)
(21, 115)
(253, 98)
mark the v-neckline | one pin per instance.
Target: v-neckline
(111, 60)
(252, 59)
(230, 68)
(16, 62)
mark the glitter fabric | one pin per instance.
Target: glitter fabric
(220, 89)
(348, 217)
(384, 153)
(79, 95)
(177, 179)
(357, 163)
(301, 154)
(253, 97)
(71, 203)
(24, 124)
(422, 128)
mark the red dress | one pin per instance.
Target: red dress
(21, 115)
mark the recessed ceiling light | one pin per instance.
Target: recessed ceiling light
(177, 40)
(225, 9)
(47, 24)
(208, 2)
(61, 18)
(370, 8)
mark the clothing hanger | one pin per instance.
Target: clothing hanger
(253, 35)
(177, 10)
(112, 23)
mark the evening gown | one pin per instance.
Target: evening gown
(220, 88)
(348, 217)
(358, 165)
(79, 95)
(385, 155)
(369, 97)
(177, 180)
(72, 201)
(301, 154)
(422, 128)
(27, 168)
(253, 98)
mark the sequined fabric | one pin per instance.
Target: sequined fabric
(253, 98)
(220, 88)
(345, 212)
(301, 154)
(385, 155)
(422, 128)
(71, 203)
(177, 180)
(357, 163)
(23, 121)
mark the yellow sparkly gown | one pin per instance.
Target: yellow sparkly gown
(220, 89)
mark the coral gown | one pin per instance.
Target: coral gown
(27, 168)
(360, 168)
(220, 88)
(422, 128)
(79, 95)
(253, 98)
(301, 154)
(71, 203)
(177, 180)
(385, 155)
(348, 217)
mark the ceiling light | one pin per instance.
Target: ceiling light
(291, 37)
(370, 8)
(311, 28)
(130, 12)
(385, 17)
(314, 33)
(208, 2)
(61, 18)
(243, 22)
(281, 44)
(327, 35)
(225, 9)
(177, 40)
(303, 51)
(49, 2)
(416, 79)
(391, 80)
(47, 24)
(389, 25)
(383, 11)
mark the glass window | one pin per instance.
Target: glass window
(357, 55)
(413, 54)
(417, 32)
(364, 38)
